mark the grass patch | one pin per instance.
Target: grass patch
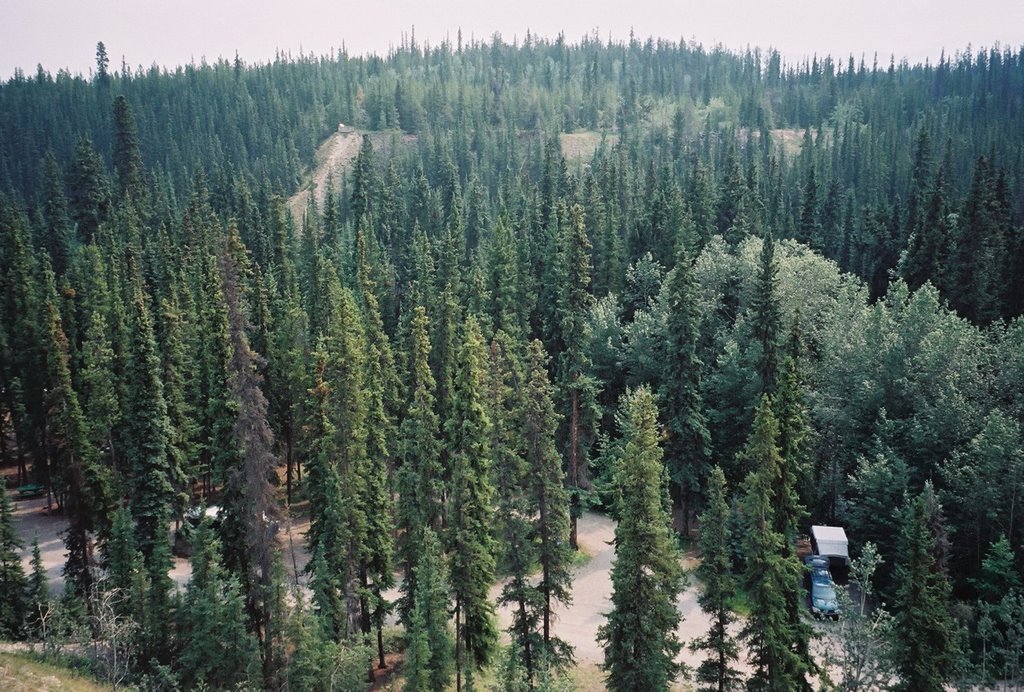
(27, 673)
(581, 557)
(741, 603)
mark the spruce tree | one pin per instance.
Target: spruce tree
(76, 471)
(288, 375)
(777, 646)
(688, 447)
(923, 629)
(431, 654)
(182, 428)
(503, 282)
(217, 648)
(927, 255)
(470, 541)
(548, 504)
(56, 231)
(215, 407)
(30, 341)
(99, 387)
(517, 549)
(121, 550)
(767, 315)
(715, 572)
(639, 636)
(37, 594)
(146, 435)
(574, 301)
(249, 498)
(376, 569)
(346, 550)
(89, 191)
(794, 433)
(325, 536)
(419, 476)
(129, 583)
(809, 229)
(13, 585)
(126, 156)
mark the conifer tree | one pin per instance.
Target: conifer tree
(419, 477)
(325, 531)
(376, 569)
(927, 254)
(471, 544)
(777, 646)
(517, 549)
(126, 156)
(548, 504)
(13, 594)
(573, 303)
(217, 648)
(809, 229)
(129, 583)
(444, 354)
(923, 629)
(56, 231)
(732, 202)
(182, 428)
(715, 572)
(287, 368)
(121, 550)
(249, 498)
(146, 434)
(89, 191)
(794, 431)
(98, 386)
(999, 575)
(215, 407)
(29, 338)
(503, 280)
(689, 444)
(37, 594)
(431, 656)
(346, 490)
(364, 182)
(767, 315)
(639, 636)
(980, 252)
(77, 473)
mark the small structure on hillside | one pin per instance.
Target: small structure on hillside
(345, 130)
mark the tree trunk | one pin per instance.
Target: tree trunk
(545, 567)
(380, 644)
(364, 614)
(458, 649)
(574, 468)
(289, 461)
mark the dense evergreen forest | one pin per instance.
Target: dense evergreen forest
(717, 297)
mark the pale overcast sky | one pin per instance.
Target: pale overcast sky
(63, 33)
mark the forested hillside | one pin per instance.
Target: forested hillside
(750, 296)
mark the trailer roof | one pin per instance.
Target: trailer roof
(831, 541)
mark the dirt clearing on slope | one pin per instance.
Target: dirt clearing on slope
(580, 146)
(332, 158)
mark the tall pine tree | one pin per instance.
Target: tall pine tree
(715, 572)
(470, 541)
(639, 636)
(924, 632)
(777, 647)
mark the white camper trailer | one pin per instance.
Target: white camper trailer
(830, 542)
